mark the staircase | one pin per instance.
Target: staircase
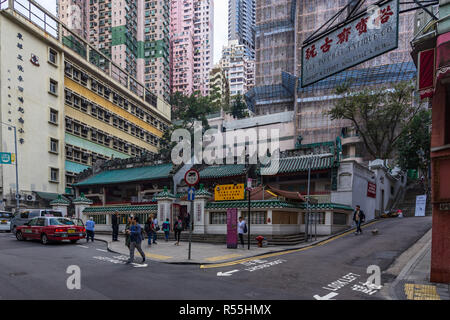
(408, 205)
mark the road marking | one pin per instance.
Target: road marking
(82, 246)
(225, 257)
(226, 274)
(421, 292)
(327, 297)
(102, 250)
(137, 265)
(269, 255)
(157, 256)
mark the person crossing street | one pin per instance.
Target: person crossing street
(135, 239)
(358, 217)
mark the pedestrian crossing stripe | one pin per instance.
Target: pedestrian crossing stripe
(421, 292)
(225, 257)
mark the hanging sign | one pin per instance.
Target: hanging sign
(364, 37)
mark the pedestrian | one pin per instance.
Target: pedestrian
(358, 217)
(90, 229)
(127, 229)
(178, 227)
(149, 228)
(115, 226)
(242, 228)
(135, 232)
(166, 229)
(155, 229)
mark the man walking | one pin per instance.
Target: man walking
(242, 228)
(135, 239)
(358, 217)
(90, 229)
(115, 226)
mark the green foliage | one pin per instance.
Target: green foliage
(378, 114)
(414, 143)
(238, 107)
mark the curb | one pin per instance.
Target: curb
(312, 244)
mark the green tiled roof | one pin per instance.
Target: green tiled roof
(164, 194)
(49, 195)
(121, 209)
(274, 203)
(129, 175)
(319, 206)
(60, 200)
(301, 163)
(219, 171)
(82, 199)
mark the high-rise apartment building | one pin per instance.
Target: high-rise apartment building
(192, 38)
(239, 69)
(133, 33)
(241, 24)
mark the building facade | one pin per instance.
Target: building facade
(69, 109)
(134, 34)
(238, 68)
(241, 24)
(192, 39)
(219, 86)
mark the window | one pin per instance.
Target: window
(53, 116)
(53, 87)
(53, 145)
(218, 218)
(52, 56)
(54, 174)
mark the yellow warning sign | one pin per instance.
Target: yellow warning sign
(229, 192)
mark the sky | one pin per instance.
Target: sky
(220, 23)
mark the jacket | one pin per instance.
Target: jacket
(362, 216)
(114, 220)
(136, 234)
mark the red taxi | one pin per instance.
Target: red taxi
(48, 229)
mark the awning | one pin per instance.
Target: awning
(49, 196)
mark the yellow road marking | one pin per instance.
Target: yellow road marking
(269, 255)
(157, 256)
(225, 257)
(421, 292)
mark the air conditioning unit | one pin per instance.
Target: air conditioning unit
(30, 197)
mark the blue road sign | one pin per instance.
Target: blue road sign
(191, 194)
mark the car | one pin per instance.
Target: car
(25, 215)
(48, 229)
(5, 221)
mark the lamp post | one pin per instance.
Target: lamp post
(16, 160)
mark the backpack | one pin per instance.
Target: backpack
(245, 228)
(179, 225)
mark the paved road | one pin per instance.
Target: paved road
(30, 270)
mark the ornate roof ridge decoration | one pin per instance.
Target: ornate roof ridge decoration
(82, 199)
(260, 204)
(125, 209)
(61, 200)
(202, 192)
(164, 195)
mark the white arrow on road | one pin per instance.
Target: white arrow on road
(137, 265)
(226, 274)
(327, 297)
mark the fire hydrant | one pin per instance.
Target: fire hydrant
(260, 240)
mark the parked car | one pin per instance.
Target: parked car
(5, 221)
(25, 215)
(48, 229)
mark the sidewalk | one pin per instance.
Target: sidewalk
(413, 279)
(201, 253)
(206, 253)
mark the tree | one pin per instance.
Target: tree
(378, 114)
(239, 108)
(414, 145)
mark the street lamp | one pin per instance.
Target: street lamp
(308, 208)
(16, 158)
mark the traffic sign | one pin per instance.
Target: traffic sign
(191, 194)
(192, 177)
(7, 158)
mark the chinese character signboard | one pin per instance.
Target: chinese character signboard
(371, 190)
(364, 37)
(229, 192)
(232, 232)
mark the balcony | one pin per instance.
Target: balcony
(351, 139)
